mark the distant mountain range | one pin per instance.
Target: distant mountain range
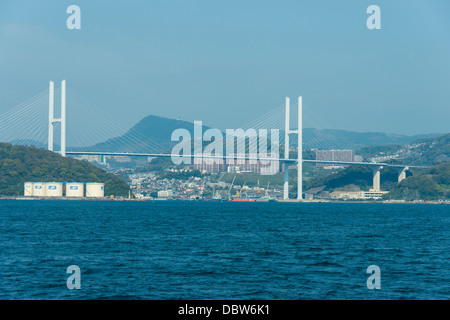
(342, 139)
(153, 134)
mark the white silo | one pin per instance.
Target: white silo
(95, 190)
(53, 189)
(74, 190)
(28, 189)
(38, 189)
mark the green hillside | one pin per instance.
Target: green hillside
(426, 184)
(428, 151)
(342, 139)
(354, 176)
(19, 164)
(430, 184)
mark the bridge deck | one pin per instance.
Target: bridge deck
(130, 154)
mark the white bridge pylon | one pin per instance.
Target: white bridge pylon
(51, 117)
(287, 132)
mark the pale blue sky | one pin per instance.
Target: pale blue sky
(226, 62)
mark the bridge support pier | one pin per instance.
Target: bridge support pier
(402, 174)
(52, 120)
(286, 150)
(287, 131)
(286, 181)
(63, 118)
(300, 151)
(376, 178)
(51, 107)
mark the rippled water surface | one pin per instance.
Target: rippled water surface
(209, 250)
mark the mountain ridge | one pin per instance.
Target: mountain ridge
(153, 132)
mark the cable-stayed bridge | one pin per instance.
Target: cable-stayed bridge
(89, 132)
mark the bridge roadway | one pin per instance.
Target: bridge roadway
(131, 154)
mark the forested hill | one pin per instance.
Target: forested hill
(430, 184)
(428, 151)
(19, 164)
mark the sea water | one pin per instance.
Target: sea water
(223, 250)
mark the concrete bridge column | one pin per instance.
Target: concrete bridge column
(376, 178)
(286, 150)
(286, 181)
(402, 174)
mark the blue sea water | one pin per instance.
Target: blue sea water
(210, 250)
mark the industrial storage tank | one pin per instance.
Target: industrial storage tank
(74, 190)
(95, 190)
(38, 189)
(53, 189)
(28, 189)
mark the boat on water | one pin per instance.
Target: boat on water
(216, 197)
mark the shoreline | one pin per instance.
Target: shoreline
(209, 200)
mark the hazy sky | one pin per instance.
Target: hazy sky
(226, 62)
